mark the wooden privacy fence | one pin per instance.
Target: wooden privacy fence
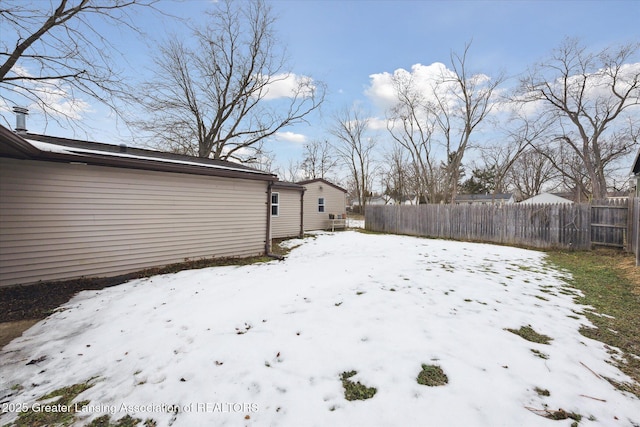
(634, 228)
(610, 223)
(565, 226)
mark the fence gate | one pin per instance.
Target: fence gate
(609, 222)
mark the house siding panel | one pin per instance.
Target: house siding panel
(335, 203)
(287, 223)
(61, 221)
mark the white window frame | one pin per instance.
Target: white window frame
(321, 205)
(276, 204)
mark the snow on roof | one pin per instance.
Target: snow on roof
(62, 149)
(546, 198)
(499, 196)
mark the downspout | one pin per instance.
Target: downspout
(267, 241)
(302, 212)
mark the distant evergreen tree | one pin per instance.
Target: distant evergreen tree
(482, 181)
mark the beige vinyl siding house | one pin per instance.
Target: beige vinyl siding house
(321, 199)
(69, 212)
(286, 210)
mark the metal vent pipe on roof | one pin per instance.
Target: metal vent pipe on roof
(21, 119)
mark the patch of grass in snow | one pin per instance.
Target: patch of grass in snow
(559, 414)
(448, 267)
(432, 376)
(355, 391)
(526, 268)
(610, 286)
(542, 391)
(126, 421)
(567, 291)
(59, 408)
(529, 334)
(189, 264)
(283, 246)
(540, 354)
(61, 399)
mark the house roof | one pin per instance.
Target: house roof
(43, 147)
(546, 198)
(288, 185)
(309, 181)
(482, 197)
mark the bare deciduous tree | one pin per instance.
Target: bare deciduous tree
(502, 157)
(48, 50)
(582, 98)
(224, 96)
(291, 172)
(318, 159)
(444, 114)
(412, 125)
(356, 150)
(464, 103)
(532, 173)
(397, 178)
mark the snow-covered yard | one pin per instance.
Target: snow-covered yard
(355, 223)
(266, 344)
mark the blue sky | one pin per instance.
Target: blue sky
(343, 43)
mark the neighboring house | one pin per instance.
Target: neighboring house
(410, 200)
(635, 174)
(72, 208)
(381, 200)
(322, 199)
(287, 210)
(546, 198)
(484, 199)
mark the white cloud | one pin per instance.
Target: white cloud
(382, 90)
(425, 80)
(59, 102)
(55, 97)
(288, 86)
(377, 123)
(298, 138)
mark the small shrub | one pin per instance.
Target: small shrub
(432, 376)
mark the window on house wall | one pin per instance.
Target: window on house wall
(321, 204)
(275, 204)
